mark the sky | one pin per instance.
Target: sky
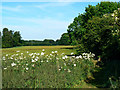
(41, 20)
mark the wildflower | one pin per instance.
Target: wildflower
(64, 69)
(13, 64)
(42, 53)
(59, 69)
(66, 56)
(73, 56)
(33, 65)
(75, 65)
(38, 54)
(27, 52)
(51, 55)
(47, 61)
(15, 58)
(69, 70)
(16, 54)
(42, 61)
(77, 57)
(72, 53)
(113, 14)
(63, 57)
(36, 59)
(26, 68)
(21, 53)
(43, 50)
(6, 54)
(17, 51)
(11, 58)
(65, 64)
(26, 64)
(80, 57)
(52, 51)
(5, 68)
(3, 58)
(55, 51)
(33, 60)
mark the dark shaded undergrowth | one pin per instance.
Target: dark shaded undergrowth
(102, 75)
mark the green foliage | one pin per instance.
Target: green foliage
(10, 38)
(97, 30)
(64, 40)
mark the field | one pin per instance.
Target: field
(48, 49)
(46, 67)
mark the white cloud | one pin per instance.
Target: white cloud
(43, 6)
(16, 9)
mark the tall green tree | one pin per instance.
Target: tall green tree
(10, 39)
(17, 38)
(77, 29)
(64, 40)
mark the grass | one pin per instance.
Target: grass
(34, 69)
(48, 49)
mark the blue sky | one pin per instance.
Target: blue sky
(41, 20)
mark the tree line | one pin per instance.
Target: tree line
(13, 39)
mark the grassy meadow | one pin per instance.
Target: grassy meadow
(48, 49)
(46, 67)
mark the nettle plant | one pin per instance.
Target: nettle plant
(38, 70)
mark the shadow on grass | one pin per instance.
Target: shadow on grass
(102, 75)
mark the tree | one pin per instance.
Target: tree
(7, 38)
(64, 40)
(17, 38)
(10, 39)
(78, 28)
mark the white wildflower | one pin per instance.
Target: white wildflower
(51, 55)
(13, 64)
(77, 57)
(63, 57)
(55, 51)
(65, 64)
(26, 68)
(5, 68)
(3, 58)
(52, 51)
(16, 54)
(80, 57)
(72, 53)
(42, 53)
(38, 54)
(59, 69)
(73, 56)
(17, 51)
(33, 60)
(75, 65)
(66, 56)
(43, 50)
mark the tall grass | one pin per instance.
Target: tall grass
(37, 70)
